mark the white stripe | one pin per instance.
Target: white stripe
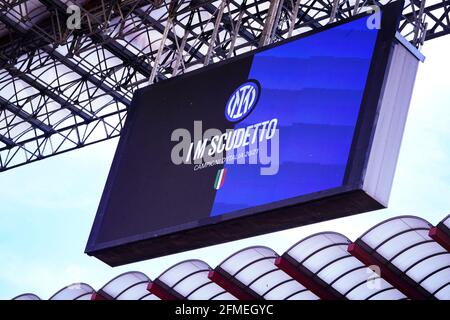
(220, 179)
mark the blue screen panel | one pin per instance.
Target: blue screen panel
(314, 87)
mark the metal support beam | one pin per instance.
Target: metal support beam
(25, 116)
(101, 295)
(180, 51)
(162, 291)
(67, 62)
(441, 236)
(235, 33)
(20, 75)
(419, 24)
(162, 45)
(306, 278)
(217, 22)
(356, 7)
(114, 51)
(294, 15)
(303, 15)
(152, 22)
(443, 21)
(86, 75)
(228, 283)
(271, 19)
(227, 23)
(110, 44)
(334, 10)
(388, 272)
(15, 73)
(7, 141)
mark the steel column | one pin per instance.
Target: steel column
(271, 19)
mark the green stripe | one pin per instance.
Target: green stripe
(217, 179)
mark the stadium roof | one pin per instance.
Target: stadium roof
(400, 258)
(64, 86)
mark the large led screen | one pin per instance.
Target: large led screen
(268, 130)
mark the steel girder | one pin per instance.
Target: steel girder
(63, 88)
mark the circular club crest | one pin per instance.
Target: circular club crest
(242, 101)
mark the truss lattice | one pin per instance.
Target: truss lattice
(63, 87)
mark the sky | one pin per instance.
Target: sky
(47, 207)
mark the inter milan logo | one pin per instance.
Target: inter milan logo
(242, 101)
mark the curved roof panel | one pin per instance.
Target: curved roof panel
(190, 280)
(128, 286)
(75, 291)
(402, 243)
(386, 230)
(26, 296)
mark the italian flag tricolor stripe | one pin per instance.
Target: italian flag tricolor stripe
(220, 178)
